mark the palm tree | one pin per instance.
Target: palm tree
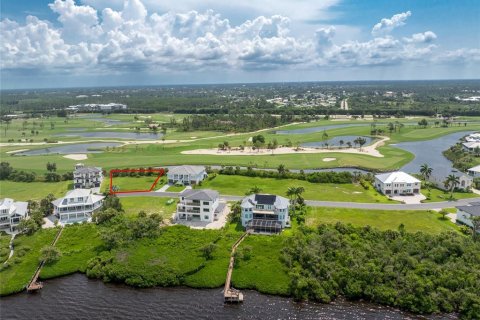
(451, 183)
(295, 194)
(426, 172)
(254, 190)
(282, 170)
(341, 142)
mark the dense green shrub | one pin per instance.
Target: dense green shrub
(417, 272)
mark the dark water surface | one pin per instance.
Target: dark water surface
(76, 297)
(92, 147)
(113, 134)
(335, 142)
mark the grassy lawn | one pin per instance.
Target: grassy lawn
(436, 195)
(414, 221)
(4, 246)
(263, 271)
(133, 205)
(134, 183)
(25, 191)
(175, 188)
(24, 261)
(239, 185)
(78, 244)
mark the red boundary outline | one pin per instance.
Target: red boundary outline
(160, 172)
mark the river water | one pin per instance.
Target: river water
(77, 297)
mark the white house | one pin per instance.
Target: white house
(186, 175)
(77, 205)
(199, 205)
(11, 212)
(87, 177)
(265, 213)
(466, 213)
(471, 146)
(397, 183)
(465, 181)
(474, 171)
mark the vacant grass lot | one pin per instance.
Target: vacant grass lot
(134, 183)
(25, 191)
(133, 205)
(78, 244)
(425, 221)
(24, 261)
(239, 185)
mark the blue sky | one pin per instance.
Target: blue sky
(144, 42)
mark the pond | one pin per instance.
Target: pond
(107, 121)
(113, 134)
(77, 297)
(335, 142)
(93, 147)
(431, 153)
(321, 128)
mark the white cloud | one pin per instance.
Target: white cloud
(130, 38)
(386, 25)
(425, 37)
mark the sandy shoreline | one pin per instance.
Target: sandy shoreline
(76, 156)
(370, 150)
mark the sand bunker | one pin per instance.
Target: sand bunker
(329, 159)
(76, 156)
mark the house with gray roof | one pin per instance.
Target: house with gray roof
(466, 213)
(186, 175)
(11, 212)
(77, 205)
(87, 177)
(265, 213)
(199, 205)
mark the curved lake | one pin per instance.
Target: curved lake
(335, 142)
(70, 148)
(77, 297)
(431, 153)
(113, 134)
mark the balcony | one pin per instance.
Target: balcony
(184, 210)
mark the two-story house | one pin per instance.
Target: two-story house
(11, 212)
(186, 175)
(87, 177)
(265, 213)
(199, 205)
(397, 183)
(77, 205)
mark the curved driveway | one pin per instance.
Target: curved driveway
(332, 204)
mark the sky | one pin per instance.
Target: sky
(72, 43)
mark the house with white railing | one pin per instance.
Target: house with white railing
(265, 213)
(186, 175)
(397, 183)
(11, 212)
(87, 177)
(77, 205)
(199, 205)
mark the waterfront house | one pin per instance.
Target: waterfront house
(199, 205)
(474, 171)
(265, 213)
(11, 212)
(471, 146)
(397, 183)
(465, 181)
(186, 175)
(77, 205)
(466, 213)
(87, 177)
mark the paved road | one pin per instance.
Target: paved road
(334, 204)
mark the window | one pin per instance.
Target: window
(206, 210)
(205, 217)
(206, 203)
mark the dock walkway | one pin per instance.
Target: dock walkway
(34, 284)
(230, 294)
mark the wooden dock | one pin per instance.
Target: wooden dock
(230, 294)
(34, 284)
